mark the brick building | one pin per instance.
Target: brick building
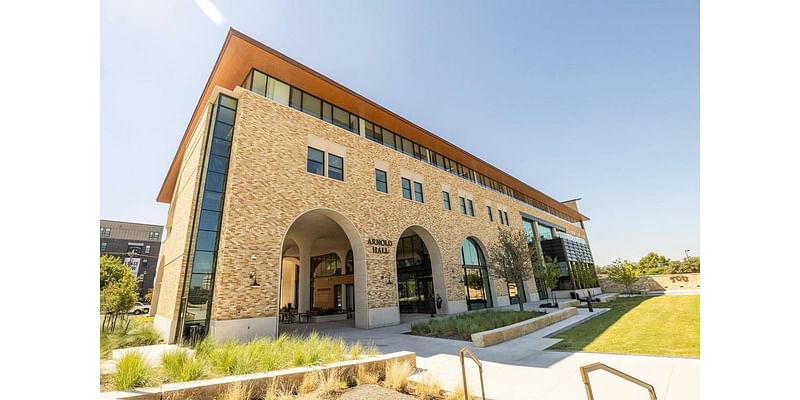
(289, 190)
(137, 245)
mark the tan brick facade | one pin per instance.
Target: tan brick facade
(268, 188)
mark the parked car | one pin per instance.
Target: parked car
(140, 308)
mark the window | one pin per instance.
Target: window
(147, 249)
(462, 205)
(500, 214)
(103, 246)
(278, 91)
(446, 200)
(470, 210)
(153, 235)
(545, 232)
(406, 188)
(316, 161)
(105, 232)
(335, 167)
(505, 216)
(418, 192)
(341, 118)
(476, 276)
(312, 105)
(489, 212)
(380, 181)
(326, 265)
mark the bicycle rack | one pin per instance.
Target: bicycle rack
(586, 369)
(471, 355)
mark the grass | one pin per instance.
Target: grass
(462, 326)
(132, 372)
(660, 325)
(180, 366)
(397, 374)
(139, 333)
(212, 359)
(428, 388)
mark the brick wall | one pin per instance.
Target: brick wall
(268, 188)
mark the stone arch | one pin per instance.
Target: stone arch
(437, 264)
(304, 248)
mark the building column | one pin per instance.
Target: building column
(304, 280)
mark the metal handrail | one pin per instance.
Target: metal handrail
(586, 369)
(471, 355)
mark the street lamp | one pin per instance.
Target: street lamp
(687, 253)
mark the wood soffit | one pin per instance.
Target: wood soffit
(240, 53)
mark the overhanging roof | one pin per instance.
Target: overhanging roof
(240, 53)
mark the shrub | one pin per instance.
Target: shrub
(464, 325)
(133, 372)
(397, 374)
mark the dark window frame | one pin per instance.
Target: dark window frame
(419, 195)
(405, 183)
(308, 160)
(335, 169)
(385, 181)
(446, 200)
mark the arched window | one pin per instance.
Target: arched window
(325, 265)
(476, 276)
(471, 254)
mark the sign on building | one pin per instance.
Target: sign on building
(133, 264)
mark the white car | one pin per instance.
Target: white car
(140, 308)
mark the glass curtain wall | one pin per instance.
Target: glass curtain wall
(476, 276)
(199, 281)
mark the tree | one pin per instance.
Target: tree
(654, 263)
(549, 272)
(687, 265)
(118, 292)
(148, 296)
(623, 272)
(509, 256)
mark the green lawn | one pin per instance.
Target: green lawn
(661, 325)
(462, 326)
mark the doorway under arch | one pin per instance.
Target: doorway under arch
(322, 271)
(419, 273)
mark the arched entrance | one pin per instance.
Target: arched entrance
(477, 286)
(323, 271)
(419, 273)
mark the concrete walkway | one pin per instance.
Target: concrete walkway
(522, 369)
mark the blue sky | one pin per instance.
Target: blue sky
(598, 100)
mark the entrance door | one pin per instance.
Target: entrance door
(425, 301)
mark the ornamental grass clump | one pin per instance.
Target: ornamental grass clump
(133, 372)
(397, 375)
(285, 351)
(180, 366)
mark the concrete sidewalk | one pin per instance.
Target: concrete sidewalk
(522, 369)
